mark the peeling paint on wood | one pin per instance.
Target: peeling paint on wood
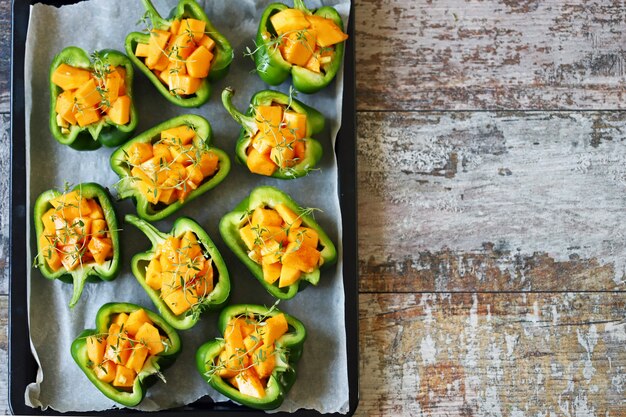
(5, 55)
(493, 354)
(5, 176)
(4, 349)
(492, 201)
(491, 54)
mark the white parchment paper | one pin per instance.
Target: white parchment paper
(92, 25)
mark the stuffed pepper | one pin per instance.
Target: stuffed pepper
(169, 165)
(77, 236)
(126, 351)
(254, 364)
(182, 54)
(279, 242)
(183, 273)
(307, 44)
(275, 138)
(91, 98)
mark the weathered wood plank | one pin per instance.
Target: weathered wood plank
(492, 201)
(492, 54)
(492, 354)
(4, 354)
(5, 177)
(5, 55)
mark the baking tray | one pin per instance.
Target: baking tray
(22, 365)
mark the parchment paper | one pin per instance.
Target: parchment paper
(322, 371)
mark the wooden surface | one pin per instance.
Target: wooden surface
(491, 242)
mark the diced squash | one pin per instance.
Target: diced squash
(111, 89)
(180, 135)
(248, 236)
(149, 336)
(207, 42)
(304, 235)
(328, 33)
(282, 156)
(65, 107)
(313, 64)
(168, 194)
(208, 163)
(183, 155)
(50, 253)
(262, 144)
(268, 120)
(271, 272)
(288, 276)
(180, 47)
(100, 248)
(48, 220)
(158, 41)
(189, 246)
(299, 150)
(95, 349)
(61, 122)
(204, 282)
(70, 257)
(137, 357)
(124, 377)
(136, 319)
(252, 341)
(224, 370)
(184, 84)
(233, 337)
(264, 360)
(260, 164)
(266, 217)
(199, 62)
(194, 174)
(175, 27)
(176, 68)
(162, 63)
(302, 257)
(289, 20)
(69, 78)
(105, 371)
(275, 328)
(298, 47)
(87, 116)
(291, 218)
(180, 300)
(249, 384)
(95, 211)
(99, 228)
(295, 125)
(118, 352)
(87, 95)
(276, 233)
(154, 278)
(162, 152)
(120, 320)
(193, 28)
(142, 50)
(139, 152)
(149, 190)
(119, 113)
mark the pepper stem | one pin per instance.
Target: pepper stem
(247, 122)
(155, 236)
(299, 4)
(79, 277)
(154, 14)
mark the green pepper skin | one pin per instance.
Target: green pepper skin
(270, 196)
(88, 272)
(284, 374)
(217, 298)
(153, 366)
(104, 132)
(271, 66)
(314, 124)
(223, 51)
(126, 188)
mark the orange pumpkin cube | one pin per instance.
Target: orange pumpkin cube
(289, 20)
(119, 112)
(69, 78)
(100, 248)
(180, 300)
(105, 371)
(298, 47)
(208, 163)
(265, 217)
(199, 62)
(124, 377)
(95, 349)
(249, 384)
(302, 257)
(184, 84)
(65, 107)
(87, 116)
(149, 336)
(260, 164)
(328, 33)
(88, 95)
(137, 357)
(135, 320)
(291, 218)
(142, 50)
(271, 272)
(288, 276)
(192, 28)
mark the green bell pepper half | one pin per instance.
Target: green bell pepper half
(214, 300)
(288, 350)
(152, 367)
(314, 124)
(103, 132)
(267, 196)
(223, 52)
(271, 66)
(127, 188)
(86, 272)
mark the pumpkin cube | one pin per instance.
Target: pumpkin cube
(275, 327)
(184, 84)
(124, 377)
(180, 135)
(199, 62)
(87, 116)
(48, 220)
(137, 357)
(119, 112)
(95, 349)
(88, 95)
(192, 28)
(233, 336)
(174, 26)
(249, 236)
(99, 228)
(249, 384)
(298, 47)
(313, 64)
(65, 107)
(204, 281)
(302, 257)
(162, 153)
(154, 278)
(291, 218)
(268, 120)
(184, 155)
(150, 191)
(100, 248)
(289, 20)
(139, 152)
(224, 370)
(158, 41)
(266, 217)
(304, 235)
(111, 89)
(207, 42)
(136, 319)
(288, 276)
(149, 335)
(328, 33)
(295, 125)
(260, 164)
(142, 50)
(261, 143)
(282, 156)
(208, 163)
(271, 272)
(105, 371)
(264, 360)
(70, 257)
(119, 352)
(120, 320)
(69, 78)
(299, 150)
(181, 300)
(50, 253)
(189, 246)
(95, 211)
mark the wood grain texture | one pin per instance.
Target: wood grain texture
(492, 201)
(5, 190)
(493, 355)
(490, 54)
(4, 349)
(5, 55)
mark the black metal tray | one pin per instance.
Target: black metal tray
(22, 365)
